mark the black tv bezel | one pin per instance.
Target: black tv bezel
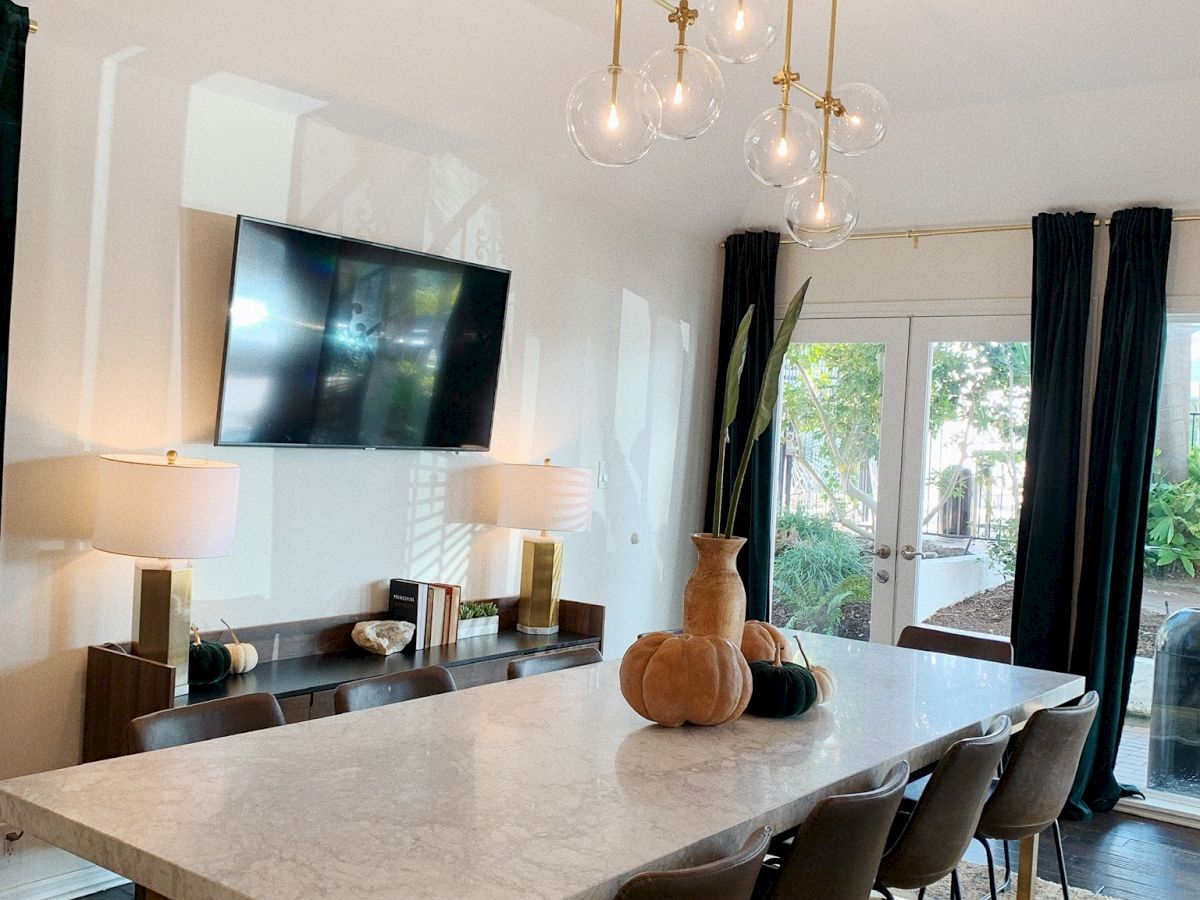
(237, 235)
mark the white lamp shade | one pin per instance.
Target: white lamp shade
(182, 509)
(547, 498)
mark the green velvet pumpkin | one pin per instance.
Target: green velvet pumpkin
(208, 661)
(781, 689)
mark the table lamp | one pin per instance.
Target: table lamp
(545, 498)
(165, 510)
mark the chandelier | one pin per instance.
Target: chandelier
(614, 114)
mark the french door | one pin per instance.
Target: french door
(902, 447)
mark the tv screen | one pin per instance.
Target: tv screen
(332, 342)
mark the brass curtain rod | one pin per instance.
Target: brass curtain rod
(915, 234)
(32, 26)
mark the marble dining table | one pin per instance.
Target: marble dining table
(549, 786)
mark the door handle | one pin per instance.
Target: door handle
(910, 553)
(883, 551)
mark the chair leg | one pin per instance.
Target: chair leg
(882, 890)
(955, 890)
(991, 864)
(921, 894)
(1062, 861)
(1007, 882)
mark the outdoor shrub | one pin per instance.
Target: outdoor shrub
(818, 569)
(1173, 524)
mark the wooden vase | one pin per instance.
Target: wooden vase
(714, 599)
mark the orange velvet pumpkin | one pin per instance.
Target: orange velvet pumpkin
(671, 679)
(760, 640)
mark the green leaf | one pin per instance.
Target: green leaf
(1187, 564)
(733, 372)
(768, 394)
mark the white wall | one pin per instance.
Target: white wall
(129, 185)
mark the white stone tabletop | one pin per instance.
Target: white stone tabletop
(549, 786)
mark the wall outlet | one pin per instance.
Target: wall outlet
(601, 475)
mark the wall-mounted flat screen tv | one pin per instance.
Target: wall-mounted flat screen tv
(333, 342)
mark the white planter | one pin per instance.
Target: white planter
(474, 627)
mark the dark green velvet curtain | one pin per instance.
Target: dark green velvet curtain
(14, 28)
(1124, 415)
(1043, 588)
(750, 261)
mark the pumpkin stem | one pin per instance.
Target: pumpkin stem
(778, 656)
(807, 664)
(195, 635)
(231, 631)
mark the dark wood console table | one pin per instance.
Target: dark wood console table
(302, 663)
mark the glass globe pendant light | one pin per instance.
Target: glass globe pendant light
(861, 120)
(740, 31)
(782, 146)
(821, 211)
(613, 114)
(687, 81)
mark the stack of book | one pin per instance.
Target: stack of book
(432, 608)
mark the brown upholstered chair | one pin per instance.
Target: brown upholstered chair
(956, 643)
(552, 662)
(204, 721)
(1037, 781)
(368, 693)
(731, 878)
(835, 853)
(934, 836)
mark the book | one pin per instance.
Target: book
(436, 623)
(408, 601)
(455, 602)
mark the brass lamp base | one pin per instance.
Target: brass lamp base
(541, 570)
(162, 618)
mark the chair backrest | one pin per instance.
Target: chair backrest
(943, 822)
(204, 721)
(381, 690)
(1038, 775)
(835, 854)
(552, 662)
(731, 878)
(956, 643)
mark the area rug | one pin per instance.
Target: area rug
(974, 881)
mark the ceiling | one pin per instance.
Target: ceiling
(1000, 110)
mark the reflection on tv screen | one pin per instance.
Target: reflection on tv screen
(340, 343)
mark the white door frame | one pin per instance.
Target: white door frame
(893, 333)
(923, 334)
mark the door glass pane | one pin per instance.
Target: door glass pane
(1160, 746)
(974, 471)
(829, 475)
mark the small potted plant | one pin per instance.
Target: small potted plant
(478, 617)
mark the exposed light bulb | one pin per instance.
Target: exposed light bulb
(822, 212)
(740, 22)
(679, 92)
(856, 121)
(782, 149)
(613, 121)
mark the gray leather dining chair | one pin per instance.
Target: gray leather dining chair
(204, 721)
(933, 837)
(552, 662)
(835, 853)
(397, 687)
(731, 878)
(1037, 781)
(956, 643)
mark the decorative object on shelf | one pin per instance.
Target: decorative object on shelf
(614, 115)
(714, 598)
(782, 690)
(760, 640)
(478, 617)
(166, 510)
(383, 636)
(672, 679)
(208, 661)
(242, 657)
(549, 498)
(826, 683)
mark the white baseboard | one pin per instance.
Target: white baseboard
(66, 886)
(1163, 807)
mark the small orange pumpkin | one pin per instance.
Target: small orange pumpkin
(826, 683)
(671, 679)
(760, 640)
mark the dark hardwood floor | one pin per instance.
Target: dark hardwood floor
(1115, 855)
(1123, 856)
